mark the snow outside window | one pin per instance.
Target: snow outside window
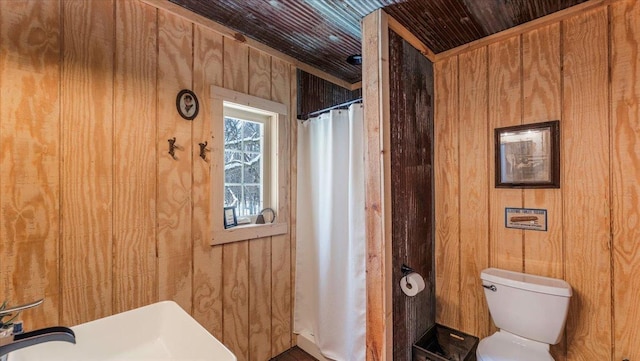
(246, 160)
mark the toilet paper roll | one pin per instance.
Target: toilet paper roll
(412, 284)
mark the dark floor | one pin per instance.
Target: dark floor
(294, 354)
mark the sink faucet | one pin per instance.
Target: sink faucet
(16, 342)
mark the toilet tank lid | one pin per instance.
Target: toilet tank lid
(552, 286)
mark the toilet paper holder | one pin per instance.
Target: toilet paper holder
(411, 282)
(406, 270)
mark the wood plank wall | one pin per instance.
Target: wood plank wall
(582, 70)
(96, 216)
(412, 192)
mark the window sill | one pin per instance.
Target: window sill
(248, 231)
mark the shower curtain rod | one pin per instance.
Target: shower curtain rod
(341, 105)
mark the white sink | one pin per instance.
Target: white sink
(158, 332)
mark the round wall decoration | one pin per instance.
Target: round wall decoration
(187, 104)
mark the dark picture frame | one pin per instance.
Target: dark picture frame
(528, 156)
(230, 219)
(187, 104)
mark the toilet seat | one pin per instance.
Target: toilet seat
(503, 346)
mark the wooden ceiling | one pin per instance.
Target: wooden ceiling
(323, 33)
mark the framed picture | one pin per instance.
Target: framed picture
(526, 218)
(230, 219)
(187, 104)
(528, 156)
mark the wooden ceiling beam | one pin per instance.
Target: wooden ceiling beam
(411, 38)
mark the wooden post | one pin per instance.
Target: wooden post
(377, 188)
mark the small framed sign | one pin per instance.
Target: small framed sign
(230, 219)
(526, 218)
(187, 104)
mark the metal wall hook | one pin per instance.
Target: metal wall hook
(172, 147)
(203, 150)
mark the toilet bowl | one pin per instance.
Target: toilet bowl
(530, 312)
(503, 346)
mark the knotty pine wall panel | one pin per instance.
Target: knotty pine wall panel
(260, 301)
(259, 74)
(86, 114)
(474, 191)
(446, 182)
(175, 254)
(559, 71)
(235, 281)
(586, 184)
(281, 247)
(207, 260)
(236, 63)
(135, 158)
(625, 176)
(30, 157)
(86, 174)
(541, 84)
(504, 109)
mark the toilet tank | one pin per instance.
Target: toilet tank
(529, 306)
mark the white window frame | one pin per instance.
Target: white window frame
(277, 113)
(236, 111)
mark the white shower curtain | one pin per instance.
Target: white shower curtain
(330, 251)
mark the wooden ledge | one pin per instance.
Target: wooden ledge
(248, 231)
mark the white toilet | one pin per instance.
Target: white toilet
(530, 312)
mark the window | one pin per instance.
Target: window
(250, 164)
(246, 159)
